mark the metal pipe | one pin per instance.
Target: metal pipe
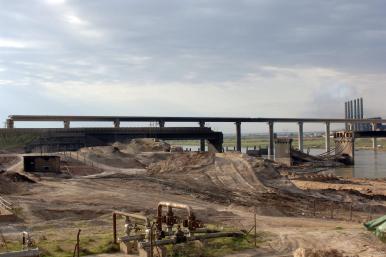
(175, 206)
(191, 238)
(126, 239)
(145, 219)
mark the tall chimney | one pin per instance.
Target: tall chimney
(355, 114)
(361, 112)
(346, 113)
(351, 112)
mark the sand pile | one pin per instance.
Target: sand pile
(136, 146)
(234, 173)
(137, 154)
(11, 182)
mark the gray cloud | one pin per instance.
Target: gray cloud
(219, 43)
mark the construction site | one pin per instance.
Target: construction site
(145, 197)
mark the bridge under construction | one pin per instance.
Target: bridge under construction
(201, 121)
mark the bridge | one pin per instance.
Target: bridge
(201, 121)
(71, 139)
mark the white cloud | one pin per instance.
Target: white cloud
(13, 43)
(55, 2)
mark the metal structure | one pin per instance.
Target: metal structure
(354, 110)
(71, 139)
(147, 238)
(352, 118)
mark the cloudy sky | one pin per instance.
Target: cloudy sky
(251, 58)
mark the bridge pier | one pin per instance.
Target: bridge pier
(271, 146)
(202, 141)
(117, 123)
(374, 128)
(238, 136)
(66, 124)
(328, 142)
(345, 146)
(301, 137)
(10, 123)
(283, 151)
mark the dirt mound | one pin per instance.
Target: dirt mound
(11, 182)
(301, 252)
(6, 161)
(111, 156)
(225, 175)
(136, 146)
(138, 154)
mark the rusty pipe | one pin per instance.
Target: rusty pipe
(126, 239)
(170, 206)
(192, 238)
(136, 216)
(130, 215)
(174, 206)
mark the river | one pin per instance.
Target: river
(368, 164)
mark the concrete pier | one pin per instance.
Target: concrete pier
(10, 123)
(238, 136)
(117, 123)
(301, 137)
(271, 146)
(66, 124)
(328, 131)
(374, 128)
(202, 141)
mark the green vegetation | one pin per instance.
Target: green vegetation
(12, 140)
(90, 244)
(61, 243)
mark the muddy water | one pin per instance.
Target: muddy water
(368, 164)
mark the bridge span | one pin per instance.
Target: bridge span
(161, 120)
(70, 139)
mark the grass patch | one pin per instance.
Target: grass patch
(215, 247)
(11, 140)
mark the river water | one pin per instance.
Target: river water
(368, 163)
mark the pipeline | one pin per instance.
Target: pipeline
(126, 239)
(191, 238)
(170, 219)
(146, 221)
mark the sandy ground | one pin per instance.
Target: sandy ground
(223, 189)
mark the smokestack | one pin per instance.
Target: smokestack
(358, 113)
(350, 113)
(355, 114)
(346, 113)
(361, 113)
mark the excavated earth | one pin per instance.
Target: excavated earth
(223, 189)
